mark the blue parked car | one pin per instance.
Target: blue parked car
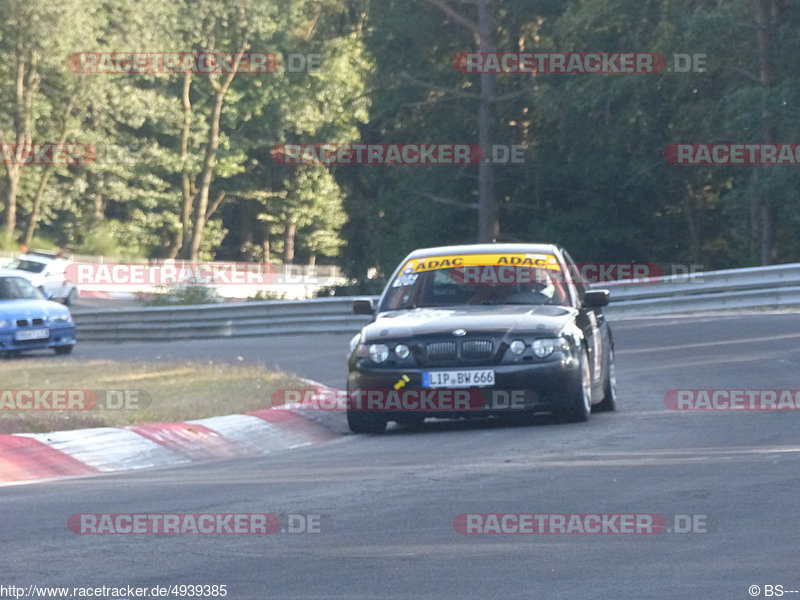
(30, 322)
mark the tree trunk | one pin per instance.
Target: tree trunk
(204, 189)
(483, 33)
(33, 222)
(288, 243)
(245, 232)
(14, 173)
(692, 226)
(99, 208)
(210, 158)
(488, 222)
(37, 203)
(188, 194)
(26, 81)
(764, 208)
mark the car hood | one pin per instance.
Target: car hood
(15, 309)
(498, 320)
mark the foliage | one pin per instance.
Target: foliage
(184, 294)
(166, 183)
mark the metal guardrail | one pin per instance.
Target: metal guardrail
(246, 319)
(755, 288)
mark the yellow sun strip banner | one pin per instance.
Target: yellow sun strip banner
(454, 261)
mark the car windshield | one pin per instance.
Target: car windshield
(31, 266)
(485, 280)
(17, 288)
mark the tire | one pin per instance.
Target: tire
(71, 297)
(63, 350)
(579, 397)
(609, 402)
(361, 421)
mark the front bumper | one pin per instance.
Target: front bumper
(518, 388)
(59, 335)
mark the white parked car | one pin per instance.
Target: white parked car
(45, 271)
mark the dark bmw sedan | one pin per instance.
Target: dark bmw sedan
(481, 330)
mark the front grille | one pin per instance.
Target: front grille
(33, 343)
(476, 348)
(441, 350)
(38, 322)
(465, 350)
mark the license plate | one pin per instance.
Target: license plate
(458, 379)
(33, 334)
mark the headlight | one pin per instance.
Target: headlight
(5, 324)
(545, 347)
(379, 353)
(61, 319)
(517, 347)
(402, 351)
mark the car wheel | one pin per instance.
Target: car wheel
(64, 350)
(609, 402)
(71, 297)
(579, 398)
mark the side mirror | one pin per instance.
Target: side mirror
(363, 307)
(595, 298)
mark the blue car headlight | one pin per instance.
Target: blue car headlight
(5, 324)
(61, 319)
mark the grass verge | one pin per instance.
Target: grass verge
(167, 392)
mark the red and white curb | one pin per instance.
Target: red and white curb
(34, 456)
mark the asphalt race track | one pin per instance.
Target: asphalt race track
(389, 501)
